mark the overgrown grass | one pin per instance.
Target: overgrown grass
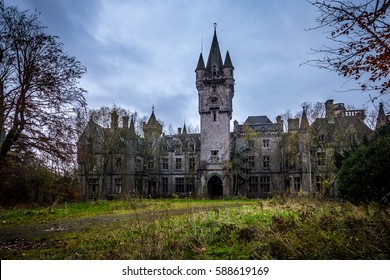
(263, 229)
(23, 215)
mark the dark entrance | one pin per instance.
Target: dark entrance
(215, 186)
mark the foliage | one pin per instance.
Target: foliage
(38, 91)
(360, 33)
(364, 173)
(31, 183)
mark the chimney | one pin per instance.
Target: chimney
(293, 124)
(329, 114)
(114, 119)
(125, 121)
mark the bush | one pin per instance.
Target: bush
(364, 173)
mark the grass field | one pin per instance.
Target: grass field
(277, 228)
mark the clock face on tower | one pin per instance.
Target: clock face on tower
(214, 100)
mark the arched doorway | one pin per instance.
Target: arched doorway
(214, 186)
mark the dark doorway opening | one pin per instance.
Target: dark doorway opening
(214, 186)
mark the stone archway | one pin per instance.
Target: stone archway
(214, 187)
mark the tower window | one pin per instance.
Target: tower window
(214, 70)
(215, 116)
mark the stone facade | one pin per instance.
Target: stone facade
(258, 158)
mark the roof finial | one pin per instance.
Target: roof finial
(215, 26)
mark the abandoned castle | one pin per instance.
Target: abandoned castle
(258, 158)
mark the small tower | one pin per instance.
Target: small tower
(152, 129)
(215, 85)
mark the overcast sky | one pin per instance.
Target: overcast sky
(144, 53)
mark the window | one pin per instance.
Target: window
(214, 155)
(297, 184)
(164, 164)
(266, 143)
(251, 144)
(178, 147)
(192, 163)
(318, 183)
(320, 158)
(191, 147)
(251, 161)
(117, 185)
(93, 184)
(190, 182)
(214, 70)
(253, 184)
(321, 138)
(164, 147)
(151, 164)
(179, 183)
(138, 164)
(118, 163)
(164, 184)
(265, 184)
(266, 162)
(215, 116)
(178, 163)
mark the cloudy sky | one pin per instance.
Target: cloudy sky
(143, 53)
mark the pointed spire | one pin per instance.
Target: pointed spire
(152, 118)
(304, 122)
(184, 128)
(200, 65)
(228, 61)
(214, 62)
(381, 119)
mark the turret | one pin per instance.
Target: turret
(200, 71)
(228, 67)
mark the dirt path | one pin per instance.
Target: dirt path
(29, 232)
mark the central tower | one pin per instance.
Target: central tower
(215, 85)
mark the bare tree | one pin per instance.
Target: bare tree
(38, 90)
(360, 36)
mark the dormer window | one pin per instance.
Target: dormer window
(178, 147)
(164, 147)
(214, 70)
(191, 147)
